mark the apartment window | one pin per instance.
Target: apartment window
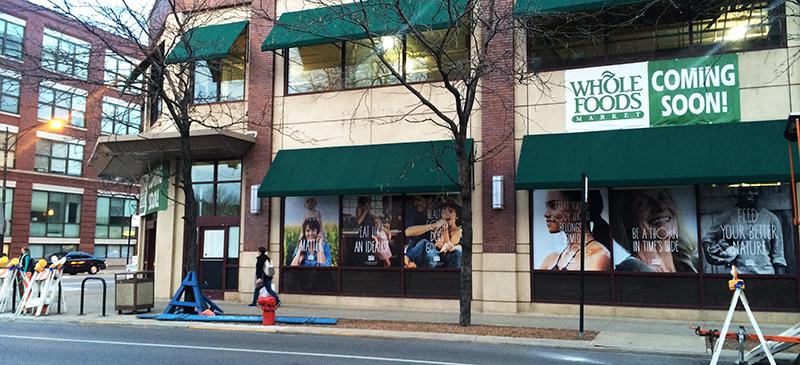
(58, 157)
(117, 70)
(64, 54)
(55, 214)
(12, 148)
(662, 30)
(218, 188)
(114, 217)
(219, 80)
(61, 102)
(8, 210)
(120, 117)
(354, 64)
(12, 32)
(9, 92)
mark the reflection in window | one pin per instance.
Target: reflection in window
(64, 54)
(364, 68)
(217, 188)
(62, 102)
(58, 158)
(11, 34)
(120, 117)
(9, 92)
(555, 42)
(114, 217)
(319, 68)
(55, 214)
(315, 68)
(219, 81)
(421, 63)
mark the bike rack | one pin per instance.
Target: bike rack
(83, 287)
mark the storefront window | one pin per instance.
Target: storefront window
(749, 227)
(387, 245)
(217, 188)
(45, 251)
(311, 232)
(667, 245)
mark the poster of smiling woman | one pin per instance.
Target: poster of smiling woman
(656, 229)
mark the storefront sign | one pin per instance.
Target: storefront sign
(638, 95)
(155, 189)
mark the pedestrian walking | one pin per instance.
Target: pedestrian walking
(264, 272)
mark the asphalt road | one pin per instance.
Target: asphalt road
(72, 343)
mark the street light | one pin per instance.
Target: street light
(54, 124)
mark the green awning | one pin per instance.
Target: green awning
(359, 20)
(418, 167)
(528, 8)
(727, 153)
(206, 43)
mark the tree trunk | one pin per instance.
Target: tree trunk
(190, 244)
(465, 167)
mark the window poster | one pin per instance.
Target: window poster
(311, 231)
(371, 231)
(655, 229)
(749, 227)
(432, 231)
(557, 231)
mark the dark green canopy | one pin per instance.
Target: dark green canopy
(528, 8)
(206, 43)
(417, 167)
(739, 152)
(359, 20)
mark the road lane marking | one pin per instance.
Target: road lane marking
(209, 348)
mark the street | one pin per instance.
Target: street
(106, 344)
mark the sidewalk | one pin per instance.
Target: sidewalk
(651, 336)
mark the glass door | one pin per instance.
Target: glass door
(212, 262)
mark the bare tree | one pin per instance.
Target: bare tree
(169, 85)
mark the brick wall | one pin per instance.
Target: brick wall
(260, 101)
(497, 137)
(38, 18)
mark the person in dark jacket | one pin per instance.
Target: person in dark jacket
(262, 280)
(25, 261)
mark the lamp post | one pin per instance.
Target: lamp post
(54, 124)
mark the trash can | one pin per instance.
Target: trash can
(133, 291)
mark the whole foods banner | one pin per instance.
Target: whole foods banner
(698, 90)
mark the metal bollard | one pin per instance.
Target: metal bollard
(83, 287)
(59, 297)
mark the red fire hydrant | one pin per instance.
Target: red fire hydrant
(268, 306)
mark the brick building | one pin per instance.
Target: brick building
(354, 195)
(53, 68)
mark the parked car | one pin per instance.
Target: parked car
(78, 262)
